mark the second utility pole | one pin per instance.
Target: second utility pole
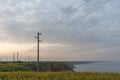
(38, 40)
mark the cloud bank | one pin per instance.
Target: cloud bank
(93, 37)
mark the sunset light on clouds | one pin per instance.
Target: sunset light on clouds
(71, 29)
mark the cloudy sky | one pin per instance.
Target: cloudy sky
(71, 29)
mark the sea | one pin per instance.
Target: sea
(100, 66)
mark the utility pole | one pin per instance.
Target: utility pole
(29, 58)
(38, 40)
(17, 56)
(13, 57)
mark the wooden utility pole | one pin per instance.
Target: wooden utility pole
(13, 57)
(17, 56)
(38, 40)
(28, 58)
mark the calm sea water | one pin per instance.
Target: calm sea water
(99, 67)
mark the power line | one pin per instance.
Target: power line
(48, 25)
(71, 14)
(86, 15)
(69, 25)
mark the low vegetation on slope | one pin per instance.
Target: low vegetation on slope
(32, 66)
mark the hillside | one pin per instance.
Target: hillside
(32, 66)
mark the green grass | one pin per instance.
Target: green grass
(58, 76)
(32, 66)
(13, 67)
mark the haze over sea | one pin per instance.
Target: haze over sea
(105, 66)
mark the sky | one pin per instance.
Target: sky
(72, 30)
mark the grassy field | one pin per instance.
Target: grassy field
(58, 76)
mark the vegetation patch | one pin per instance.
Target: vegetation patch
(32, 66)
(58, 76)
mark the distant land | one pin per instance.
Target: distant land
(53, 66)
